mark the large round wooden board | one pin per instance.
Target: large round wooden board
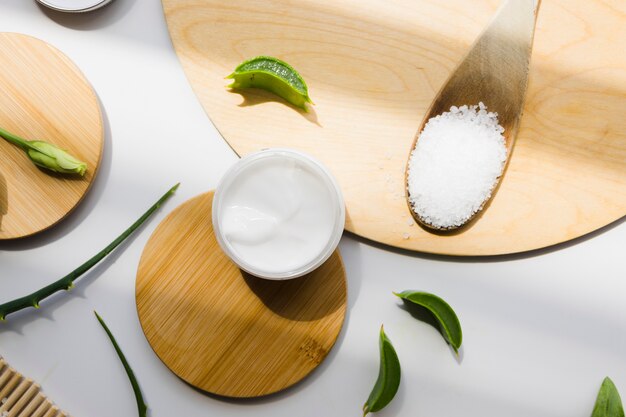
(43, 96)
(222, 330)
(374, 66)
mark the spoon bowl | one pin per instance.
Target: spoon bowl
(495, 72)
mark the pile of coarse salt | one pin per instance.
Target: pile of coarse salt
(455, 165)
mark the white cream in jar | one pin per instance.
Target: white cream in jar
(278, 214)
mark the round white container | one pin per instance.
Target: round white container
(74, 6)
(278, 214)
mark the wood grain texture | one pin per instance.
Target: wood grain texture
(373, 68)
(43, 96)
(222, 330)
(22, 397)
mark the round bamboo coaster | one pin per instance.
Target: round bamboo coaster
(222, 330)
(43, 96)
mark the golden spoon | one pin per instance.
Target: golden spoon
(495, 72)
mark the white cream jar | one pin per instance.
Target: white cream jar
(278, 214)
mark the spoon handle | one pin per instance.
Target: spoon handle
(495, 70)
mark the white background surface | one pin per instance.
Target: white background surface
(540, 330)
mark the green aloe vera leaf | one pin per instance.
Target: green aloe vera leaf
(67, 282)
(443, 313)
(142, 408)
(608, 403)
(273, 75)
(388, 380)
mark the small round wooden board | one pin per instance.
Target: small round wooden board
(222, 330)
(43, 96)
(373, 68)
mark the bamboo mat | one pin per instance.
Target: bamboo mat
(22, 397)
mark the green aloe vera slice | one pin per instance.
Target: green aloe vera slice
(445, 315)
(388, 377)
(608, 403)
(274, 75)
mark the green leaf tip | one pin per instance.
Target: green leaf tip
(608, 402)
(142, 408)
(441, 311)
(67, 282)
(389, 375)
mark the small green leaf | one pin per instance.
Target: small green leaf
(142, 408)
(388, 377)
(446, 317)
(274, 75)
(608, 403)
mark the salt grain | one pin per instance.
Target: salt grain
(455, 165)
(406, 236)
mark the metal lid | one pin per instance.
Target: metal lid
(74, 6)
